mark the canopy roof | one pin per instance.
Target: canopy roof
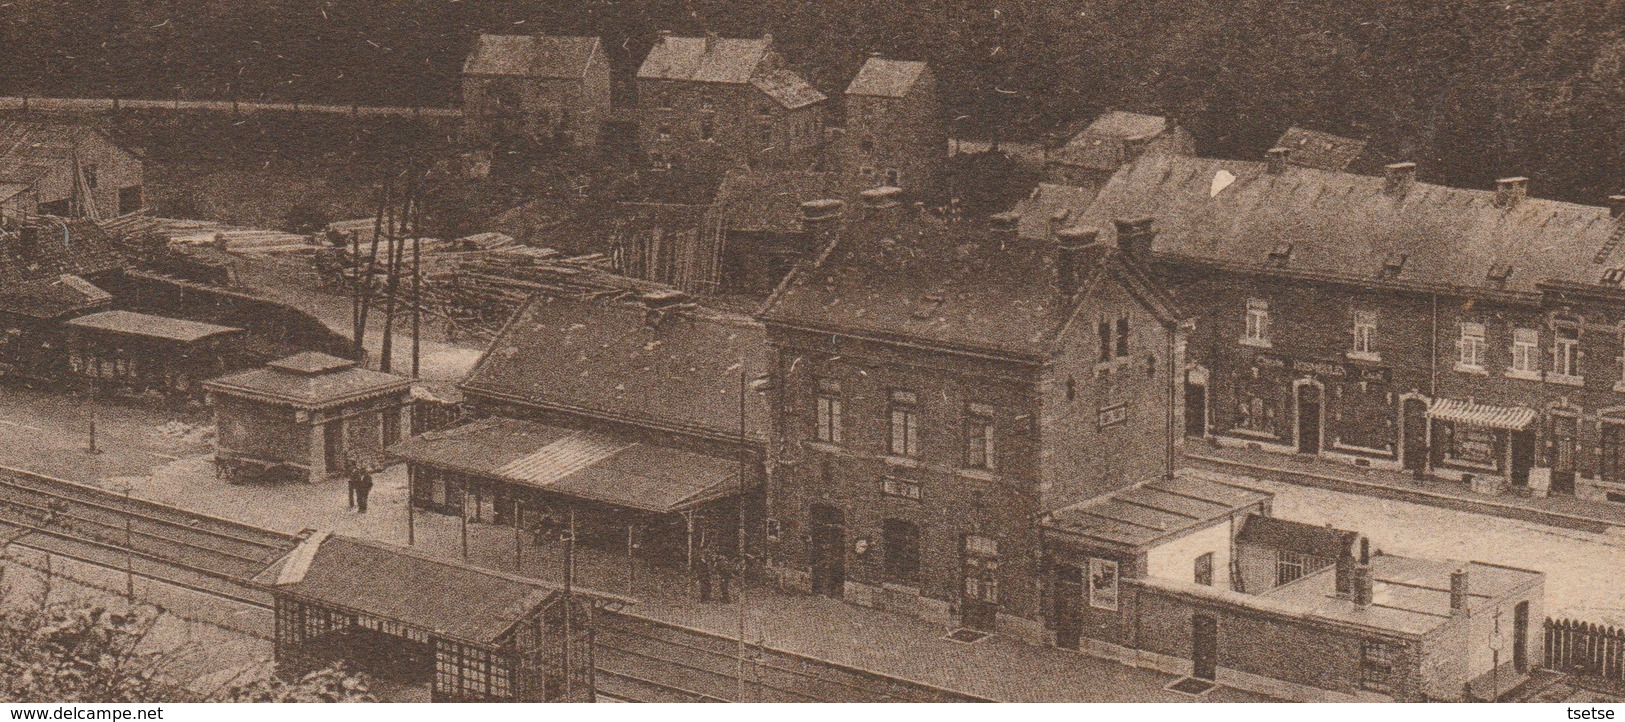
(1511, 418)
(131, 323)
(310, 380)
(1155, 511)
(581, 464)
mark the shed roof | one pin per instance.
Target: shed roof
(9, 191)
(531, 56)
(787, 88)
(886, 78)
(1142, 515)
(726, 60)
(1127, 126)
(1346, 227)
(1316, 149)
(678, 369)
(311, 381)
(47, 299)
(443, 597)
(131, 323)
(583, 464)
(1293, 536)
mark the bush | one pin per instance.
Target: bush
(305, 216)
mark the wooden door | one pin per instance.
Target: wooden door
(1564, 433)
(1520, 636)
(1308, 419)
(1204, 646)
(1068, 600)
(1415, 442)
(333, 445)
(828, 550)
(1195, 410)
(979, 583)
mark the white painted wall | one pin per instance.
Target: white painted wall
(1176, 560)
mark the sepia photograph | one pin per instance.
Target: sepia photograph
(806, 351)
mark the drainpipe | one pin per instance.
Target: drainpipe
(1173, 395)
(1433, 350)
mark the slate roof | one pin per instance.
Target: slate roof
(48, 299)
(1315, 149)
(1127, 126)
(766, 200)
(602, 359)
(131, 323)
(1142, 515)
(1046, 201)
(1103, 145)
(441, 596)
(1321, 541)
(531, 56)
(26, 143)
(1344, 227)
(953, 285)
(1409, 596)
(74, 246)
(311, 381)
(730, 60)
(583, 464)
(886, 78)
(787, 88)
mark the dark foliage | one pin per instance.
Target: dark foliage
(1471, 89)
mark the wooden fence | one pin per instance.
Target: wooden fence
(1584, 647)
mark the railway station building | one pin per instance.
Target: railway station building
(304, 416)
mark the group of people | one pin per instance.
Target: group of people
(360, 479)
(716, 573)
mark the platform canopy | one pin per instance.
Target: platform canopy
(147, 325)
(1510, 418)
(586, 465)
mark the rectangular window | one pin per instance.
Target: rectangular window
(90, 176)
(1103, 584)
(1122, 337)
(979, 448)
(1525, 350)
(1114, 415)
(901, 540)
(1204, 569)
(901, 488)
(1105, 340)
(1365, 332)
(905, 425)
(1377, 664)
(1258, 321)
(1471, 346)
(1566, 351)
(1290, 566)
(708, 129)
(829, 411)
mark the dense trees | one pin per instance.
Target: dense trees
(1471, 89)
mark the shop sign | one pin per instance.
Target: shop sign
(1323, 368)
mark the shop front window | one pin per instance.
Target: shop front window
(1365, 417)
(1256, 414)
(1464, 445)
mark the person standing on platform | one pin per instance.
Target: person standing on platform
(363, 487)
(352, 478)
(725, 574)
(702, 571)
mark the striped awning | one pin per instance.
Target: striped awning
(1511, 418)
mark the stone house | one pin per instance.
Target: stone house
(523, 89)
(65, 170)
(894, 133)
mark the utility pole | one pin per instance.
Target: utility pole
(744, 568)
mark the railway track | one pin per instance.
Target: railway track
(145, 539)
(640, 659)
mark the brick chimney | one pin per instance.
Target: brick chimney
(1276, 160)
(883, 202)
(1508, 191)
(1070, 246)
(1134, 237)
(821, 222)
(1345, 574)
(710, 42)
(1616, 206)
(1458, 593)
(1397, 179)
(1363, 585)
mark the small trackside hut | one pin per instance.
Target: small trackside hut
(303, 416)
(474, 635)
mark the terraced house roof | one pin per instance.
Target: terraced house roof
(1341, 226)
(705, 60)
(886, 78)
(531, 56)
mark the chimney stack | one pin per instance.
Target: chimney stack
(1277, 158)
(1069, 249)
(1057, 220)
(821, 221)
(665, 35)
(710, 42)
(1458, 592)
(1363, 585)
(1508, 191)
(1616, 206)
(1397, 178)
(883, 202)
(1345, 573)
(1134, 237)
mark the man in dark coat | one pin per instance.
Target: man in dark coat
(363, 487)
(725, 574)
(352, 476)
(702, 572)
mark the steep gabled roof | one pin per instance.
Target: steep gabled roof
(886, 78)
(1344, 226)
(726, 60)
(620, 361)
(531, 56)
(924, 279)
(787, 89)
(28, 147)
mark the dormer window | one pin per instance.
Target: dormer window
(1281, 254)
(1393, 264)
(1613, 276)
(1498, 274)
